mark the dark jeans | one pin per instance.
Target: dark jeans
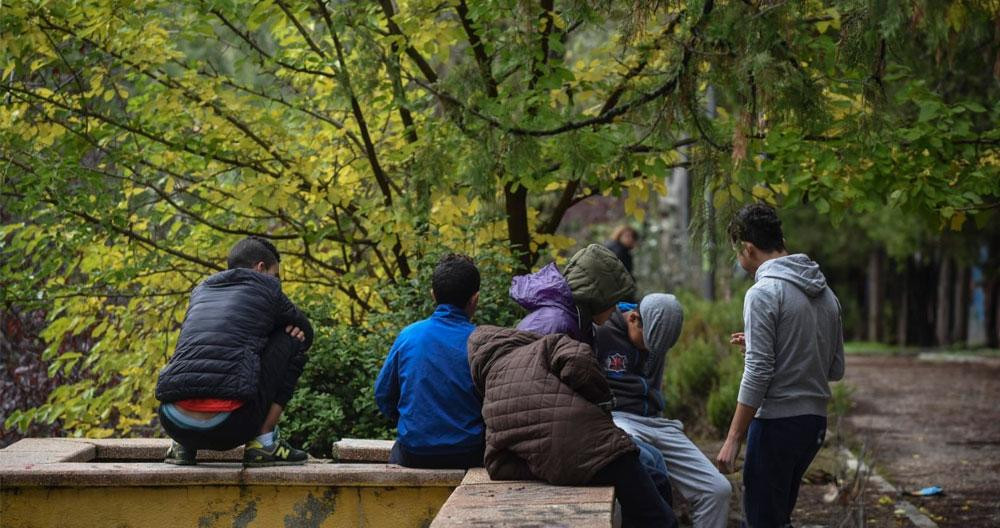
(652, 461)
(399, 455)
(778, 453)
(642, 504)
(278, 376)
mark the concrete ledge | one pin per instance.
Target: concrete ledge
(123, 474)
(148, 449)
(45, 451)
(480, 501)
(362, 450)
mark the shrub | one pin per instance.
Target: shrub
(690, 374)
(722, 401)
(703, 370)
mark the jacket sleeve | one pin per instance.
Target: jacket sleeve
(837, 364)
(759, 324)
(387, 385)
(574, 364)
(508, 466)
(286, 313)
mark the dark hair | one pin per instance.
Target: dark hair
(455, 280)
(758, 224)
(620, 231)
(253, 249)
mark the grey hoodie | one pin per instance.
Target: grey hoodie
(794, 339)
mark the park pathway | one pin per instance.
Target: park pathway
(933, 423)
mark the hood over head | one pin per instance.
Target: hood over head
(797, 269)
(597, 280)
(662, 318)
(546, 287)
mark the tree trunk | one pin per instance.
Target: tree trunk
(924, 306)
(516, 205)
(874, 290)
(917, 312)
(960, 321)
(903, 313)
(943, 314)
(991, 323)
(709, 258)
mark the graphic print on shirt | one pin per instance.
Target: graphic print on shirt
(616, 364)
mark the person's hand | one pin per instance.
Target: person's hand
(726, 459)
(738, 339)
(295, 332)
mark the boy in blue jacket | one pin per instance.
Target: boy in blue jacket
(425, 385)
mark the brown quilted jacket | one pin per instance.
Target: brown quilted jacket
(540, 397)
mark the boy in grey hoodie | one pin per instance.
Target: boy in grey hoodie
(794, 348)
(632, 348)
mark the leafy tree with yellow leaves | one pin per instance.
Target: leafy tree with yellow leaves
(140, 139)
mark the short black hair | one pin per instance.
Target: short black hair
(455, 280)
(758, 224)
(253, 249)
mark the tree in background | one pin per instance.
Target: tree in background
(141, 140)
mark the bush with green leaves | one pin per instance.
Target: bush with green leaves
(703, 370)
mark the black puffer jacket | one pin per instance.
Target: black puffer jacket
(229, 318)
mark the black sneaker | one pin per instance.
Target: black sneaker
(178, 455)
(279, 453)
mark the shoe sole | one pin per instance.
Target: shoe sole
(180, 462)
(270, 464)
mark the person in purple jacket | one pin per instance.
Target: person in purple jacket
(571, 302)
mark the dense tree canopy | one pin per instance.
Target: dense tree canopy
(141, 139)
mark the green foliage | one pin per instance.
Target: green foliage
(690, 375)
(841, 398)
(140, 140)
(721, 404)
(703, 371)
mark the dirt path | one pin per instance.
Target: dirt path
(933, 424)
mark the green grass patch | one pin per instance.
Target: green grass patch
(872, 348)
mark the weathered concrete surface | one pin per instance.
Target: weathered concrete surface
(221, 506)
(153, 474)
(148, 449)
(38, 489)
(104, 449)
(45, 451)
(362, 450)
(480, 501)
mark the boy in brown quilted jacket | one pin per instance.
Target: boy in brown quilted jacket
(546, 405)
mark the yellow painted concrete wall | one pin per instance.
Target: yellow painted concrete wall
(219, 506)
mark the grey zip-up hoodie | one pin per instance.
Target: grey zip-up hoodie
(794, 339)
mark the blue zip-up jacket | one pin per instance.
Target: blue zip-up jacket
(425, 386)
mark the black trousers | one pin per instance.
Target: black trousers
(399, 455)
(280, 367)
(642, 504)
(778, 453)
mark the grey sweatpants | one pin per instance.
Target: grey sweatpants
(691, 473)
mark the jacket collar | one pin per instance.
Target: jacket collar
(449, 311)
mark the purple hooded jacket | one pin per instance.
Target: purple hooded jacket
(548, 297)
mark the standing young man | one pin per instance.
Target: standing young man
(794, 348)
